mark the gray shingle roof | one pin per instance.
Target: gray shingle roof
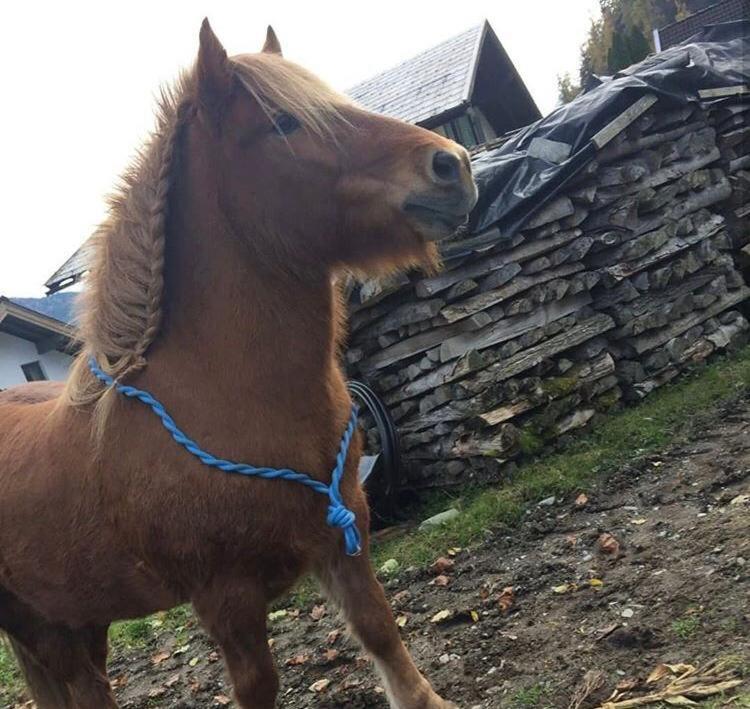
(427, 85)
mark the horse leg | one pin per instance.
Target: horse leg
(351, 584)
(235, 615)
(65, 669)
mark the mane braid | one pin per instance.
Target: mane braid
(121, 310)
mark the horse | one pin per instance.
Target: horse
(215, 285)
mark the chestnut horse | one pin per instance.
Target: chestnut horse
(213, 287)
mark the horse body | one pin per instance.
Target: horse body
(102, 515)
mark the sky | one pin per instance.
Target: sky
(79, 78)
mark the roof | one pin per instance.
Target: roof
(30, 324)
(71, 271)
(428, 85)
(60, 306)
(724, 11)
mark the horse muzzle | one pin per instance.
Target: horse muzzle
(446, 204)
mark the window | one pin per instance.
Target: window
(33, 372)
(462, 129)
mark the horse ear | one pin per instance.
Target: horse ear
(272, 44)
(214, 76)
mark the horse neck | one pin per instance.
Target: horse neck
(253, 339)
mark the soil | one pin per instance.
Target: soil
(676, 590)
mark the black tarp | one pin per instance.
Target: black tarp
(513, 184)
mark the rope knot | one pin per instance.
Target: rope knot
(343, 518)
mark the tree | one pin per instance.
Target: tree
(566, 89)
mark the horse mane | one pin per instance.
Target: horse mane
(120, 311)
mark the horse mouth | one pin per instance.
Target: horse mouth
(435, 221)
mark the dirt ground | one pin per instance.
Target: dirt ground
(676, 590)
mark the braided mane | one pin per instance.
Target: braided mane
(121, 308)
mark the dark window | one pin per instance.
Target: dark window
(462, 130)
(33, 372)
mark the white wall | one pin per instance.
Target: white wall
(15, 351)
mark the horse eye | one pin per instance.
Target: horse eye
(285, 123)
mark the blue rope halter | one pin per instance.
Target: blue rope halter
(338, 514)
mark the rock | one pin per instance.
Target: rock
(439, 519)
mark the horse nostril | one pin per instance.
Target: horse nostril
(446, 166)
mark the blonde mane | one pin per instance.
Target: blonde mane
(121, 308)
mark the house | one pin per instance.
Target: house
(36, 339)
(724, 11)
(465, 88)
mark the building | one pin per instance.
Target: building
(465, 88)
(36, 339)
(677, 32)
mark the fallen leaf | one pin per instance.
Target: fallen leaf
(182, 650)
(193, 662)
(401, 597)
(453, 551)
(320, 686)
(333, 636)
(627, 613)
(222, 699)
(608, 544)
(596, 583)
(565, 588)
(297, 660)
(401, 621)
(331, 655)
(582, 500)
(156, 692)
(160, 657)
(505, 599)
(174, 679)
(638, 521)
(277, 615)
(441, 580)
(442, 565)
(441, 616)
(390, 567)
(739, 500)
(318, 612)
(474, 616)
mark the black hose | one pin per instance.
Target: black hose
(389, 464)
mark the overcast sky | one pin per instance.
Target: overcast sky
(78, 80)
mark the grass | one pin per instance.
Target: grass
(529, 696)
(617, 440)
(685, 628)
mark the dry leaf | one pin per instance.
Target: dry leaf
(441, 616)
(638, 521)
(453, 551)
(333, 636)
(607, 544)
(442, 565)
(441, 580)
(222, 699)
(318, 612)
(159, 657)
(320, 686)
(582, 500)
(401, 597)
(401, 621)
(331, 655)
(596, 583)
(474, 616)
(505, 599)
(565, 588)
(174, 679)
(297, 660)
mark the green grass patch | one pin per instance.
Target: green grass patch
(685, 628)
(11, 684)
(529, 696)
